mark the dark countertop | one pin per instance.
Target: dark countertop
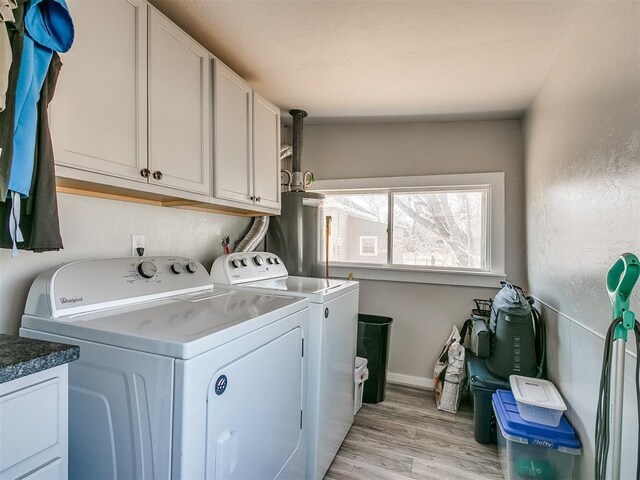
(20, 356)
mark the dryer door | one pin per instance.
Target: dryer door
(254, 408)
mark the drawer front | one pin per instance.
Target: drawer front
(30, 421)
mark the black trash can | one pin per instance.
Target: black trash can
(373, 344)
(482, 385)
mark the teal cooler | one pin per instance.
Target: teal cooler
(533, 450)
(482, 385)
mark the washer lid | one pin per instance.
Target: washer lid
(318, 290)
(182, 327)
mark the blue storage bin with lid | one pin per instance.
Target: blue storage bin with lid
(531, 450)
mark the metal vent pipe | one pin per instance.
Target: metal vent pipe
(285, 151)
(255, 235)
(297, 183)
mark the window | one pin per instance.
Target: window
(418, 228)
(442, 228)
(358, 228)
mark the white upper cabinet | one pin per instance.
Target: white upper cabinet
(266, 153)
(99, 111)
(133, 111)
(246, 144)
(232, 105)
(179, 108)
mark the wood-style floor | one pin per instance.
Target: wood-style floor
(407, 437)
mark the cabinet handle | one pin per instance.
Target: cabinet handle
(145, 172)
(157, 175)
(258, 199)
(252, 198)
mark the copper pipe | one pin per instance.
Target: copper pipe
(327, 235)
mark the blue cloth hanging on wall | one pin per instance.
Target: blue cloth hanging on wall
(48, 27)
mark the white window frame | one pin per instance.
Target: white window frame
(375, 245)
(492, 183)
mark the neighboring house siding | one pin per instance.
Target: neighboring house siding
(365, 228)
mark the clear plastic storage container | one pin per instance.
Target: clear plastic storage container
(538, 400)
(360, 376)
(531, 450)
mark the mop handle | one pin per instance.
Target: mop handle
(621, 279)
(618, 397)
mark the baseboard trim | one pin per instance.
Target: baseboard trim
(420, 382)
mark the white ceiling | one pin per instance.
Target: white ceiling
(341, 60)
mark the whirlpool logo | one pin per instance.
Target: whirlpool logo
(72, 300)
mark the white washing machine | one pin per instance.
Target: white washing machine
(175, 379)
(333, 325)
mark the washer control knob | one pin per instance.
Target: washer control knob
(235, 263)
(244, 262)
(270, 260)
(258, 260)
(192, 267)
(147, 269)
(176, 268)
(277, 260)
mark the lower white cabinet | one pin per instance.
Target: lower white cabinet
(34, 426)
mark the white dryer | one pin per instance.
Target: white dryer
(175, 379)
(333, 324)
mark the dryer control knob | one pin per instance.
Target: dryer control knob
(235, 263)
(258, 260)
(244, 262)
(147, 269)
(176, 268)
(270, 260)
(277, 260)
(192, 267)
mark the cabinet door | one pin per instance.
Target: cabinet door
(99, 112)
(232, 176)
(179, 108)
(33, 425)
(266, 153)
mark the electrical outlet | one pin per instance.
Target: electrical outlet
(137, 241)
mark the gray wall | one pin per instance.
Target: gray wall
(94, 228)
(582, 149)
(424, 313)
